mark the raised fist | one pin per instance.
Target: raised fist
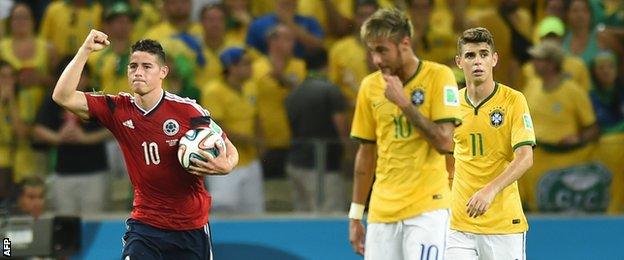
(96, 41)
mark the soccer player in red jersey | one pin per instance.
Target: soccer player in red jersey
(169, 218)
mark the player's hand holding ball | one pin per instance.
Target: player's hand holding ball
(202, 151)
(95, 41)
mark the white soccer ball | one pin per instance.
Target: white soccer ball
(204, 138)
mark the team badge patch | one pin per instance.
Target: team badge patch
(451, 96)
(528, 123)
(497, 118)
(171, 127)
(418, 97)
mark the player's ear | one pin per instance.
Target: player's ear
(494, 59)
(164, 70)
(458, 62)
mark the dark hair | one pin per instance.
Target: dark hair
(359, 3)
(8, 20)
(316, 58)
(475, 35)
(150, 46)
(30, 181)
(4, 63)
(208, 7)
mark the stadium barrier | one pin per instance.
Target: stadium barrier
(549, 237)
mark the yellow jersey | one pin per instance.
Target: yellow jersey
(573, 67)
(110, 71)
(164, 33)
(411, 176)
(149, 17)
(561, 112)
(66, 26)
(235, 111)
(213, 67)
(7, 137)
(484, 146)
(270, 99)
(348, 66)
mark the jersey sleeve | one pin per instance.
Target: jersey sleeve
(102, 107)
(214, 102)
(445, 105)
(585, 110)
(363, 126)
(522, 132)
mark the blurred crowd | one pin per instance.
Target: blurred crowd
(281, 78)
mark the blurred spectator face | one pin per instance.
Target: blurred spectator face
(178, 9)
(387, 55)
(509, 5)
(286, 7)
(420, 10)
(555, 7)
(32, 200)
(21, 20)
(283, 43)
(242, 69)
(605, 72)
(362, 13)
(120, 27)
(543, 67)
(477, 61)
(236, 4)
(213, 21)
(579, 15)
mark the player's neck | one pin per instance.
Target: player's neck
(149, 100)
(409, 69)
(477, 92)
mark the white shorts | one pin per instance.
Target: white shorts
(239, 192)
(469, 246)
(422, 237)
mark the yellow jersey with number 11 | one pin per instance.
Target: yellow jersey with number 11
(484, 146)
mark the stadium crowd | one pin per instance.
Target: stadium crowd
(248, 62)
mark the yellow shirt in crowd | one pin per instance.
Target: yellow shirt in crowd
(66, 26)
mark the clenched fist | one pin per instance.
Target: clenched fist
(96, 41)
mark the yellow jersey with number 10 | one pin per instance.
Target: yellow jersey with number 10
(484, 146)
(411, 176)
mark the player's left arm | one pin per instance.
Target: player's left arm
(220, 165)
(479, 203)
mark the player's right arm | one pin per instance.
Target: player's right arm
(65, 93)
(365, 161)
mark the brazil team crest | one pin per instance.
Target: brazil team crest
(171, 127)
(497, 118)
(418, 97)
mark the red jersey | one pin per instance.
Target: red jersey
(165, 195)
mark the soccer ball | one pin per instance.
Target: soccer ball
(204, 138)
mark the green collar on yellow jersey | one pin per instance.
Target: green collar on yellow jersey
(476, 109)
(418, 69)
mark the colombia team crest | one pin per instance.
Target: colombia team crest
(171, 127)
(497, 118)
(418, 97)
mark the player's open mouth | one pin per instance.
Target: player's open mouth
(477, 72)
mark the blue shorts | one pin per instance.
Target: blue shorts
(143, 241)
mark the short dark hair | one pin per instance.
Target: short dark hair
(475, 35)
(208, 7)
(150, 46)
(316, 59)
(30, 181)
